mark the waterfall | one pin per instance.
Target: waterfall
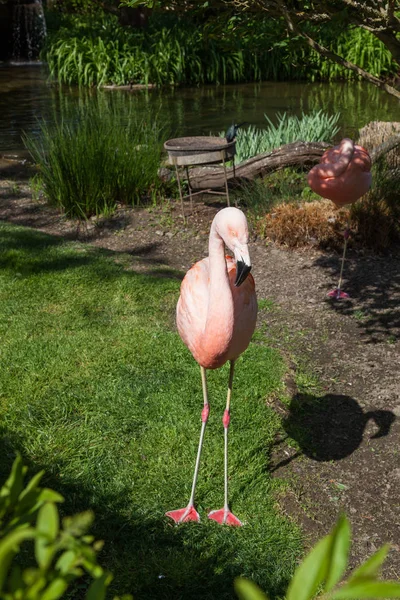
(29, 29)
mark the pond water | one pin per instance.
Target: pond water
(26, 96)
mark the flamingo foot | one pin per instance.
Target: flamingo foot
(337, 294)
(183, 515)
(224, 516)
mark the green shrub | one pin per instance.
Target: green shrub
(320, 574)
(95, 157)
(94, 49)
(61, 554)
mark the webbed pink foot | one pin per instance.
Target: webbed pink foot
(338, 294)
(224, 516)
(183, 515)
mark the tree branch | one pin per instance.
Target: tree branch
(338, 59)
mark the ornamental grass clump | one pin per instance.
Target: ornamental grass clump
(316, 126)
(95, 158)
(312, 223)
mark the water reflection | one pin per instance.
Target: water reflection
(26, 95)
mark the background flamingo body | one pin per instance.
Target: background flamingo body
(343, 175)
(216, 317)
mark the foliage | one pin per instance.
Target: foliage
(62, 554)
(320, 574)
(376, 217)
(175, 50)
(359, 47)
(317, 126)
(98, 389)
(96, 157)
(171, 51)
(309, 21)
(262, 196)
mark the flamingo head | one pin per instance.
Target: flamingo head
(231, 225)
(343, 175)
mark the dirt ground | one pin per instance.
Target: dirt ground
(345, 417)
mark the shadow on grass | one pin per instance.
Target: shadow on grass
(149, 556)
(25, 251)
(330, 427)
(373, 284)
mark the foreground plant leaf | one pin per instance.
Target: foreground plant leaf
(339, 553)
(312, 571)
(368, 589)
(372, 567)
(248, 590)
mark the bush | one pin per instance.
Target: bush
(94, 50)
(96, 157)
(320, 574)
(61, 554)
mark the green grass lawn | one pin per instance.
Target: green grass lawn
(97, 388)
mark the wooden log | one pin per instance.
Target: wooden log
(289, 155)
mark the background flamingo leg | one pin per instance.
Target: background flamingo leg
(224, 516)
(338, 293)
(183, 515)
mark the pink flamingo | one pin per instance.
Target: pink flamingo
(343, 176)
(216, 317)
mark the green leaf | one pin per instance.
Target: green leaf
(9, 546)
(371, 568)
(47, 527)
(47, 495)
(368, 589)
(97, 590)
(14, 484)
(66, 561)
(55, 590)
(32, 485)
(339, 553)
(248, 590)
(312, 571)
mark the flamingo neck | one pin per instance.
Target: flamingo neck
(219, 323)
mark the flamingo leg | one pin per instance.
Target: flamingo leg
(224, 515)
(189, 513)
(337, 293)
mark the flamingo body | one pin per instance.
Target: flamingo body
(232, 335)
(343, 174)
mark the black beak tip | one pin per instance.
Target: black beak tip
(242, 271)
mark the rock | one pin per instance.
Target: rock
(158, 232)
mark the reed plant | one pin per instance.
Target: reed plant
(317, 126)
(94, 158)
(96, 50)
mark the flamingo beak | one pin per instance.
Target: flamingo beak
(243, 264)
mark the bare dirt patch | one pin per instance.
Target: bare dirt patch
(346, 426)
